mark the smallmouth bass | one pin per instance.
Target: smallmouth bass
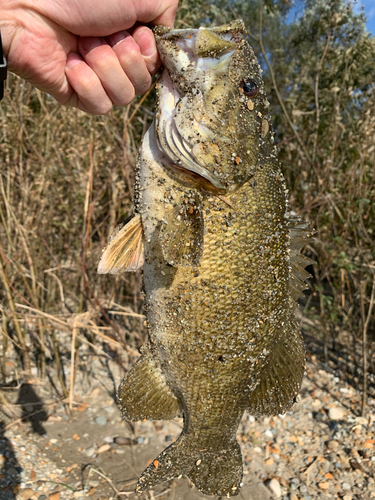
(221, 257)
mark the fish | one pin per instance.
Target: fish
(221, 257)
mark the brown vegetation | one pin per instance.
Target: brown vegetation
(66, 181)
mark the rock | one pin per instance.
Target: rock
(11, 471)
(361, 421)
(54, 496)
(42, 497)
(333, 445)
(256, 449)
(108, 439)
(347, 497)
(123, 441)
(100, 420)
(103, 448)
(90, 451)
(25, 494)
(346, 486)
(336, 413)
(292, 496)
(275, 487)
(324, 485)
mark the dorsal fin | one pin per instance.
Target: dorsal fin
(300, 235)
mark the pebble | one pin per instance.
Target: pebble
(292, 496)
(90, 451)
(123, 441)
(256, 449)
(54, 496)
(324, 485)
(275, 487)
(100, 420)
(336, 413)
(361, 421)
(103, 448)
(26, 493)
(108, 439)
(347, 497)
(346, 486)
(11, 471)
(333, 445)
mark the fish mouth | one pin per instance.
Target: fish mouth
(192, 59)
(197, 50)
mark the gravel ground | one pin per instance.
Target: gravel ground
(321, 449)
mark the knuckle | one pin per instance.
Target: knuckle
(143, 85)
(126, 97)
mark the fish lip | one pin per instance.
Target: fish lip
(161, 32)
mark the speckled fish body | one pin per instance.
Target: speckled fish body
(222, 268)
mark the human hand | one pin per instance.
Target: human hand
(80, 52)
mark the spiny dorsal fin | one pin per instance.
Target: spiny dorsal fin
(181, 234)
(125, 250)
(300, 235)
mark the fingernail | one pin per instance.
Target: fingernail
(117, 38)
(88, 43)
(146, 42)
(72, 60)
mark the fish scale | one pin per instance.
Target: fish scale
(222, 268)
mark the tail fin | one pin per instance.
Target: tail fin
(212, 472)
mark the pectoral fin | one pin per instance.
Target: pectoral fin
(144, 393)
(181, 235)
(125, 251)
(281, 377)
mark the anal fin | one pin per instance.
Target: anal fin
(144, 393)
(281, 376)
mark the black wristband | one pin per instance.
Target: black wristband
(3, 70)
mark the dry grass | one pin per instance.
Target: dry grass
(66, 181)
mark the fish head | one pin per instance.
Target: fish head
(212, 119)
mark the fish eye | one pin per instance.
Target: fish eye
(249, 87)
